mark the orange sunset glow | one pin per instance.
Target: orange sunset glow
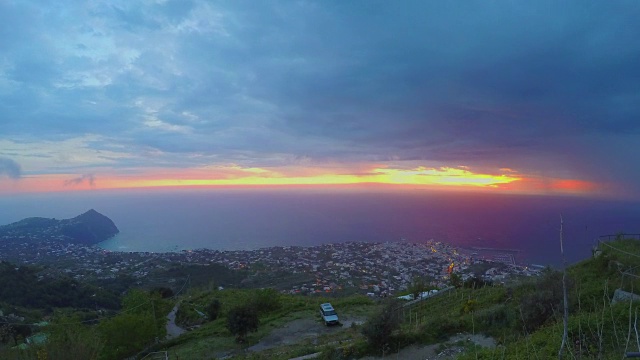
(446, 178)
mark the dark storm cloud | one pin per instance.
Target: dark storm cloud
(494, 70)
(88, 178)
(10, 168)
(523, 84)
(544, 87)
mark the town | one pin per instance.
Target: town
(375, 269)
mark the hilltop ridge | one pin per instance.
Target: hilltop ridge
(88, 228)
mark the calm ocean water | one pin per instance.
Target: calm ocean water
(251, 219)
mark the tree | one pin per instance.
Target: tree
(6, 333)
(213, 309)
(265, 300)
(241, 320)
(145, 303)
(476, 282)
(126, 334)
(164, 292)
(419, 285)
(137, 326)
(14, 332)
(380, 326)
(456, 280)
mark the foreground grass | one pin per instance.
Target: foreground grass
(525, 318)
(212, 339)
(510, 314)
(597, 327)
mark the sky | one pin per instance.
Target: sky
(527, 97)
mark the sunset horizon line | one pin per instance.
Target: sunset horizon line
(454, 179)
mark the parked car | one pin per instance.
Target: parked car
(329, 315)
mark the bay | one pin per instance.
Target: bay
(246, 219)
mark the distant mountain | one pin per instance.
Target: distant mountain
(88, 229)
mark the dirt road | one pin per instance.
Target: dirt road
(300, 330)
(173, 330)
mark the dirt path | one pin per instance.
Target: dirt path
(434, 352)
(299, 330)
(173, 330)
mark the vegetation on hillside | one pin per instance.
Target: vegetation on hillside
(524, 318)
(274, 310)
(23, 286)
(138, 325)
(381, 326)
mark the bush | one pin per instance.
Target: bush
(241, 320)
(331, 353)
(380, 326)
(419, 285)
(187, 316)
(354, 350)
(455, 280)
(265, 301)
(477, 282)
(469, 306)
(141, 322)
(440, 328)
(446, 326)
(164, 292)
(126, 334)
(497, 317)
(213, 309)
(544, 302)
(71, 341)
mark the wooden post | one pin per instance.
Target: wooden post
(565, 318)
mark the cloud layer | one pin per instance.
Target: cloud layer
(548, 89)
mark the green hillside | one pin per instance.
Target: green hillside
(526, 319)
(523, 319)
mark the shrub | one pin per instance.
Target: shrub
(126, 334)
(496, 318)
(469, 306)
(539, 306)
(265, 301)
(71, 341)
(241, 320)
(419, 285)
(164, 292)
(477, 282)
(213, 309)
(455, 279)
(381, 325)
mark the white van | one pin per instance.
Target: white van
(328, 314)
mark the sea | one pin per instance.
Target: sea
(248, 219)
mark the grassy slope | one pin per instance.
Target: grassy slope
(213, 338)
(595, 327)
